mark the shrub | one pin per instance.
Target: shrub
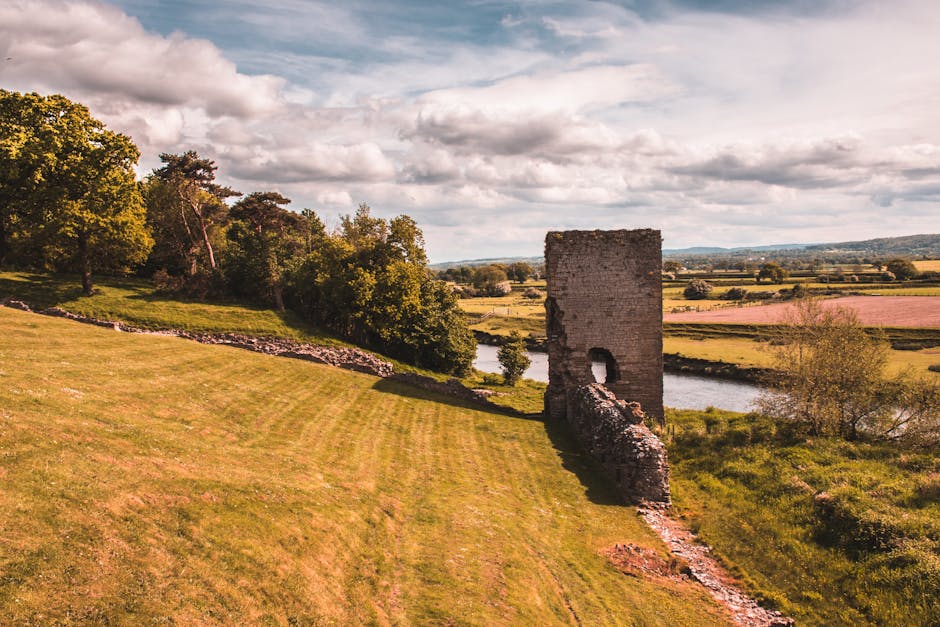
(166, 282)
(845, 520)
(533, 293)
(760, 295)
(735, 293)
(834, 383)
(697, 289)
(513, 358)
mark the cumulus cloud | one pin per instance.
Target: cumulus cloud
(827, 162)
(96, 50)
(314, 161)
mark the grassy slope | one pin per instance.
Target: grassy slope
(751, 494)
(136, 302)
(149, 478)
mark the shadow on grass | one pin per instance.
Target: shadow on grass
(597, 487)
(41, 291)
(38, 291)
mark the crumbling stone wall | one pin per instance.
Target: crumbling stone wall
(604, 301)
(612, 431)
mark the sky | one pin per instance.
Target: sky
(722, 123)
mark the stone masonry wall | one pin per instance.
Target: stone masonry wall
(604, 299)
(612, 431)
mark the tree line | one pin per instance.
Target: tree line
(70, 201)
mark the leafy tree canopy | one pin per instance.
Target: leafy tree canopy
(68, 196)
(773, 272)
(903, 269)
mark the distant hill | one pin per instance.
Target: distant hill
(906, 245)
(903, 246)
(444, 265)
(715, 250)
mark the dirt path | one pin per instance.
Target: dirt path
(707, 571)
(882, 311)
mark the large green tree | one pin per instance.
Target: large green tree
(370, 282)
(266, 240)
(773, 272)
(197, 206)
(68, 196)
(903, 269)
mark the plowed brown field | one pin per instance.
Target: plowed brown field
(887, 311)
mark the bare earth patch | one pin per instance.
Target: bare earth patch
(887, 311)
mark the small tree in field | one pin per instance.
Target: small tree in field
(772, 272)
(903, 269)
(513, 358)
(831, 381)
(519, 271)
(697, 289)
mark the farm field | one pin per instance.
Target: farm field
(925, 265)
(747, 352)
(150, 479)
(890, 311)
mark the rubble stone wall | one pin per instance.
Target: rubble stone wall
(612, 431)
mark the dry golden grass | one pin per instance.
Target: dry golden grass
(153, 480)
(927, 264)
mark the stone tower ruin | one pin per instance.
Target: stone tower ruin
(604, 304)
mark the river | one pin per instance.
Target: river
(684, 391)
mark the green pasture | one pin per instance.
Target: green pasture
(830, 532)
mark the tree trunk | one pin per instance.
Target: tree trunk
(278, 296)
(85, 261)
(205, 236)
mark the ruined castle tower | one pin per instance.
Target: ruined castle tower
(604, 304)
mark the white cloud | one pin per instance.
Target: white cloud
(98, 51)
(551, 91)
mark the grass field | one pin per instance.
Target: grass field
(147, 479)
(927, 264)
(747, 352)
(834, 533)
